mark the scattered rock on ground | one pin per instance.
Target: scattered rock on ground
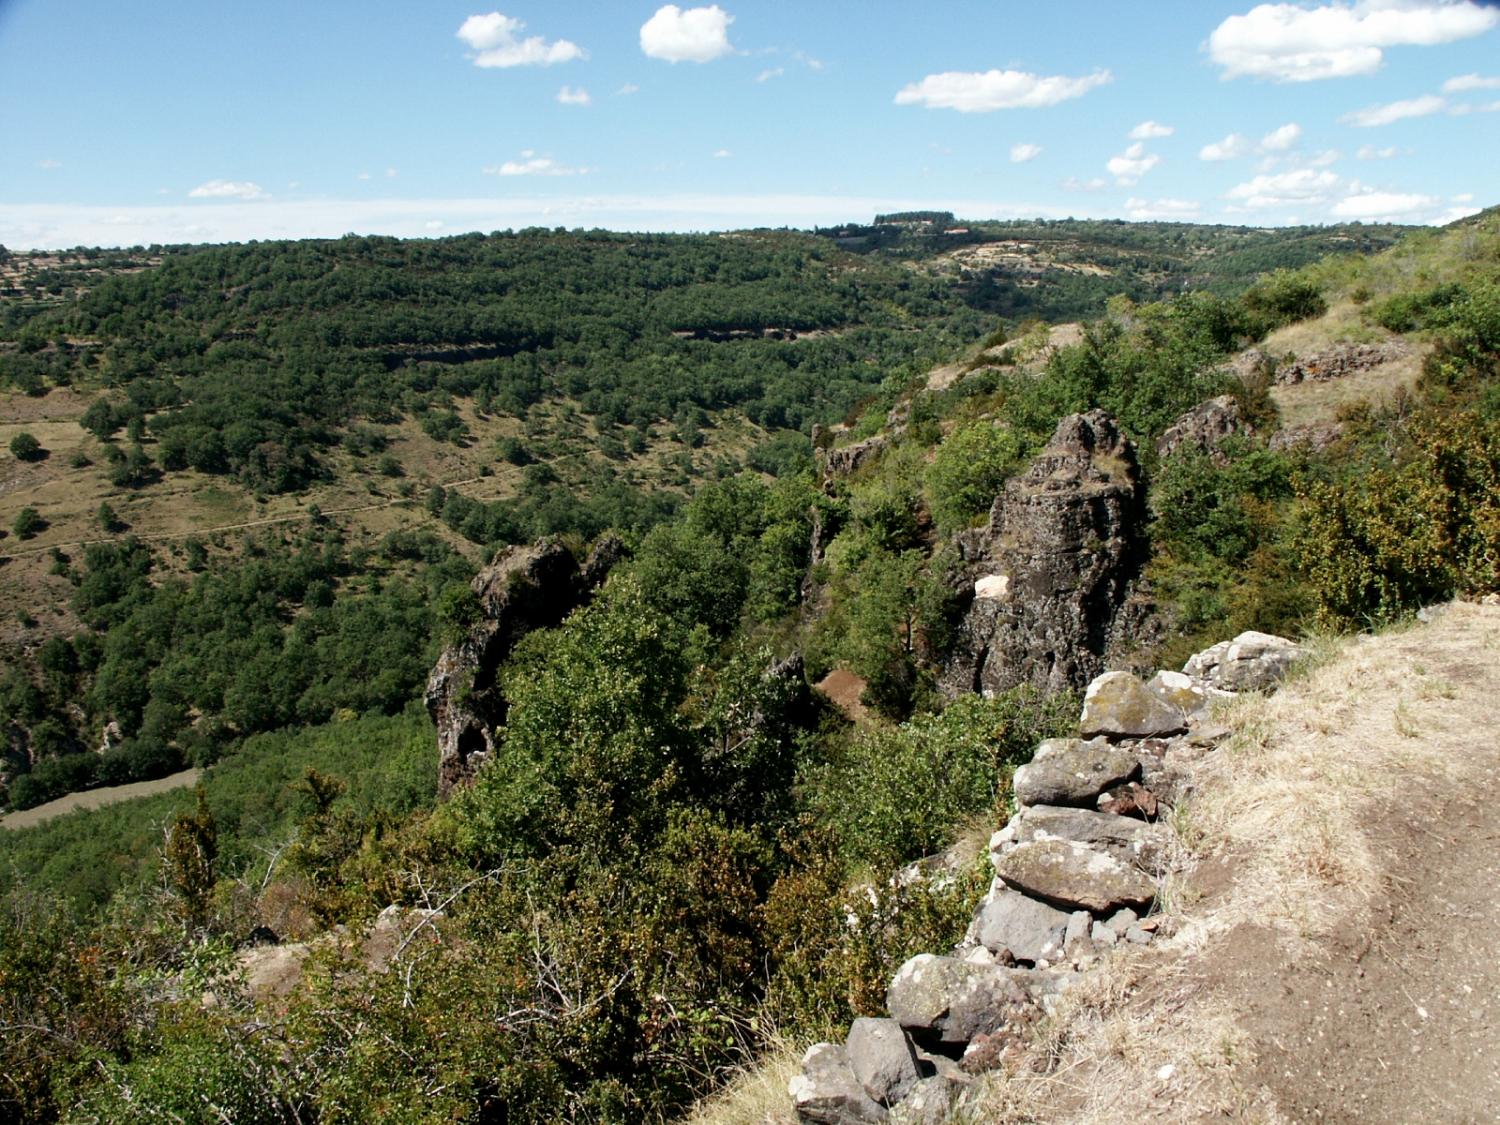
(882, 1059)
(1031, 930)
(826, 1091)
(1117, 705)
(1074, 876)
(1073, 777)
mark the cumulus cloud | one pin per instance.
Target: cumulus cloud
(569, 96)
(1143, 210)
(1293, 43)
(1282, 189)
(1370, 152)
(723, 154)
(996, 89)
(1466, 108)
(1132, 164)
(1020, 154)
(1279, 140)
(1230, 148)
(495, 41)
(530, 164)
(1150, 131)
(1374, 115)
(228, 189)
(1387, 205)
(769, 73)
(687, 35)
(1470, 82)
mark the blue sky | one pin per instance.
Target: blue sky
(166, 121)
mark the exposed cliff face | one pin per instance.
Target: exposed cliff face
(525, 588)
(1053, 569)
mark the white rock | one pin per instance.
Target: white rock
(995, 587)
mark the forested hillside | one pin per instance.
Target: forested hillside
(680, 851)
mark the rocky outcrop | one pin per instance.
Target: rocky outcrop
(1251, 662)
(525, 588)
(1339, 362)
(1204, 427)
(1050, 574)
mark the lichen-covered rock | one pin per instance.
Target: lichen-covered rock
(882, 1058)
(524, 589)
(1067, 537)
(944, 1002)
(1030, 930)
(1117, 705)
(930, 1102)
(1073, 777)
(1074, 876)
(1251, 662)
(1127, 839)
(826, 1091)
(1179, 690)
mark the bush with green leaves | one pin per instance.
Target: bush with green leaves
(25, 447)
(968, 470)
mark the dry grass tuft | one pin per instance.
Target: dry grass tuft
(757, 1096)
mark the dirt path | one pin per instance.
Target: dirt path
(97, 799)
(1335, 948)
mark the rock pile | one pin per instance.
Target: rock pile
(1204, 427)
(1077, 872)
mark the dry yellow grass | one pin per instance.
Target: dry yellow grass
(757, 1096)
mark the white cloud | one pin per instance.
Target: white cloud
(1150, 131)
(228, 189)
(1279, 140)
(363, 176)
(1470, 82)
(996, 89)
(627, 89)
(1073, 183)
(433, 224)
(569, 96)
(1370, 152)
(1143, 210)
(723, 154)
(1325, 158)
(493, 38)
(1283, 189)
(1383, 205)
(1294, 43)
(531, 164)
(1467, 108)
(1230, 148)
(48, 164)
(1020, 154)
(687, 35)
(1132, 164)
(1374, 115)
(391, 173)
(769, 73)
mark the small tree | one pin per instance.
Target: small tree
(29, 522)
(25, 447)
(109, 519)
(192, 847)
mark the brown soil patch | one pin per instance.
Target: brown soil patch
(98, 798)
(845, 688)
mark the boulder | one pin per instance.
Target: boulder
(1067, 538)
(1074, 876)
(1127, 839)
(930, 1102)
(1117, 705)
(1251, 662)
(1073, 777)
(1076, 941)
(1031, 930)
(944, 1002)
(1179, 690)
(1204, 427)
(826, 1091)
(882, 1058)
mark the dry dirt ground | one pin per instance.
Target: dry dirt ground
(98, 798)
(1337, 955)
